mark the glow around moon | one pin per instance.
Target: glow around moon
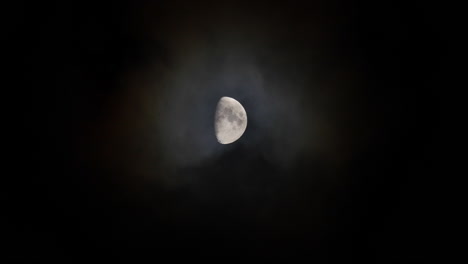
(230, 120)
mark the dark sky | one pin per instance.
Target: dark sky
(113, 143)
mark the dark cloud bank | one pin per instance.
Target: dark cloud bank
(118, 154)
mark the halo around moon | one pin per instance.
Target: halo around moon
(230, 120)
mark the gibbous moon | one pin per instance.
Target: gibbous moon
(230, 120)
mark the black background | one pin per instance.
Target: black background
(66, 61)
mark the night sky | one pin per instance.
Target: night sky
(113, 144)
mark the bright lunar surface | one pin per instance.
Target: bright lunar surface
(230, 120)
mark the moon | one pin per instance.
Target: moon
(230, 120)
